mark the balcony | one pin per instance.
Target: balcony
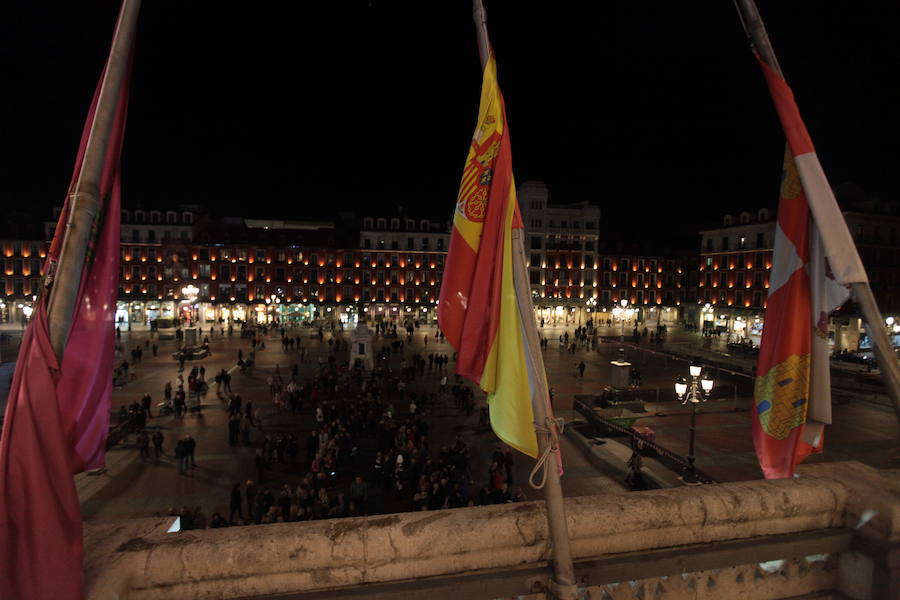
(834, 530)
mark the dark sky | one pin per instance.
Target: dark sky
(655, 111)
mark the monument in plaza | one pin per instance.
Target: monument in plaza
(361, 347)
(191, 337)
(620, 371)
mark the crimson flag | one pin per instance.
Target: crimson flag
(57, 416)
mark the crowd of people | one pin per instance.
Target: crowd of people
(341, 442)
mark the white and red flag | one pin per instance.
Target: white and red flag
(57, 417)
(815, 260)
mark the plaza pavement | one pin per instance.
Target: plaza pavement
(864, 428)
(864, 425)
(133, 487)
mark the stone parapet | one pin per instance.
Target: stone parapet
(138, 559)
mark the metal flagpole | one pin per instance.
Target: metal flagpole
(85, 197)
(562, 584)
(862, 293)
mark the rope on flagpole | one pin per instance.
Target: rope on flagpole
(554, 427)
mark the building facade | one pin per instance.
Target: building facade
(736, 261)
(561, 248)
(574, 277)
(653, 286)
(256, 270)
(733, 274)
(20, 281)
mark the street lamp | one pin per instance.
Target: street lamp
(695, 392)
(893, 327)
(189, 292)
(624, 313)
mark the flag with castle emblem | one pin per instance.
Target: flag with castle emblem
(478, 309)
(814, 261)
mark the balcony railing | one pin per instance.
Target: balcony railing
(832, 532)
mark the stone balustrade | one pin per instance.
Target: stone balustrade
(835, 528)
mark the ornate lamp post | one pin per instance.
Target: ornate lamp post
(893, 327)
(695, 392)
(624, 313)
(189, 293)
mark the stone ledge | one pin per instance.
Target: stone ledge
(138, 560)
(873, 501)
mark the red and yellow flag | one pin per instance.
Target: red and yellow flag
(478, 309)
(814, 260)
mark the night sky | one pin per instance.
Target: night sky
(656, 112)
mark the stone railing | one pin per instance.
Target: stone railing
(833, 532)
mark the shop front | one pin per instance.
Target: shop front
(297, 314)
(665, 315)
(16, 312)
(152, 311)
(262, 313)
(426, 315)
(122, 314)
(348, 315)
(141, 313)
(754, 329)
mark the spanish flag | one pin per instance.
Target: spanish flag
(814, 261)
(478, 309)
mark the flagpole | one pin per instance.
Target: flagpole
(862, 292)
(85, 197)
(562, 584)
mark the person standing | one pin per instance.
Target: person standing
(147, 402)
(179, 403)
(260, 465)
(236, 503)
(234, 427)
(312, 445)
(158, 442)
(359, 492)
(250, 491)
(143, 442)
(581, 366)
(180, 456)
(234, 407)
(244, 428)
(190, 446)
(199, 519)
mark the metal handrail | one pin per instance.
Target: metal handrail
(639, 441)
